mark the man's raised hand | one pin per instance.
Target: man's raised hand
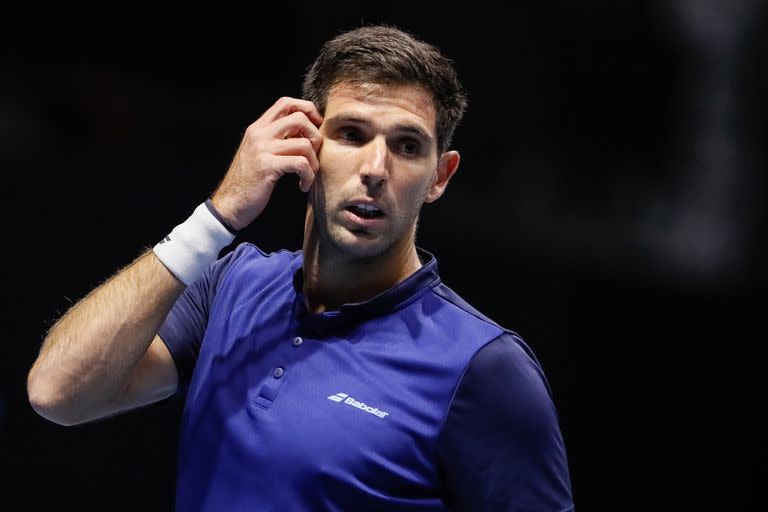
(284, 140)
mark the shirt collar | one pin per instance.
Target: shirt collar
(424, 279)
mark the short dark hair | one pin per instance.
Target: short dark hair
(388, 55)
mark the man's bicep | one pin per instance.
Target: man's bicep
(501, 448)
(155, 377)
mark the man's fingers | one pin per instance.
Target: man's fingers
(286, 106)
(297, 147)
(300, 166)
(296, 125)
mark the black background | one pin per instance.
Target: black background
(608, 208)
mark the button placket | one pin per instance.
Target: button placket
(274, 381)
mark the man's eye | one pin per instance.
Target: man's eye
(351, 135)
(410, 147)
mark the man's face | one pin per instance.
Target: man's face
(378, 164)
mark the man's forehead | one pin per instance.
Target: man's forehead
(411, 100)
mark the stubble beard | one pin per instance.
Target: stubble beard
(333, 237)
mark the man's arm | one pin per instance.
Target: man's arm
(501, 448)
(103, 355)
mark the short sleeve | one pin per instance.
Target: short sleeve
(183, 329)
(501, 448)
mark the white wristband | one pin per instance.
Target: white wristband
(193, 245)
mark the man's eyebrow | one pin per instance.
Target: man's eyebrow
(407, 127)
(344, 118)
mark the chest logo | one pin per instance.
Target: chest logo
(346, 399)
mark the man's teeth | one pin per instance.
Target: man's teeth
(367, 207)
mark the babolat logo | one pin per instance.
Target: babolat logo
(343, 397)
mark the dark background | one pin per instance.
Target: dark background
(608, 208)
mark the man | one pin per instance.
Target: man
(344, 376)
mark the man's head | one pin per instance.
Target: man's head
(390, 104)
(387, 55)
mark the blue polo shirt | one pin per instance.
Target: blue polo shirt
(410, 401)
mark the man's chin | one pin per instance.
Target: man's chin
(359, 244)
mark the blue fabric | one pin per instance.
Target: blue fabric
(378, 406)
(501, 447)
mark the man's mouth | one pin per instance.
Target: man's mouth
(365, 211)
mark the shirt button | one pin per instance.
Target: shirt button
(297, 341)
(278, 372)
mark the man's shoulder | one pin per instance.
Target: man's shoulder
(246, 255)
(248, 251)
(257, 265)
(505, 346)
(444, 316)
(447, 294)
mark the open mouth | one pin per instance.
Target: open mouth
(365, 211)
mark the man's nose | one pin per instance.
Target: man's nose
(374, 168)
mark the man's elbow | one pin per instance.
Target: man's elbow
(47, 400)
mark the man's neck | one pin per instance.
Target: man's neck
(331, 281)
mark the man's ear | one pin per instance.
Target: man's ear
(446, 167)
